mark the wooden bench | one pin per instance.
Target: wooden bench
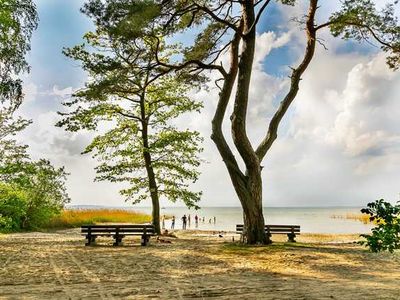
(290, 230)
(118, 232)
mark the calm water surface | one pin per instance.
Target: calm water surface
(311, 220)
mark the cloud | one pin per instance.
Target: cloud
(30, 92)
(63, 93)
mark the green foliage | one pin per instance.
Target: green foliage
(386, 234)
(126, 95)
(18, 19)
(30, 192)
(42, 187)
(13, 206)
(359, 20)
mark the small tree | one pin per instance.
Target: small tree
(143, 148)
(44, 188)
(386, 234)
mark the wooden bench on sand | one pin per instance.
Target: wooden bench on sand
(290, 230)
(118, 232)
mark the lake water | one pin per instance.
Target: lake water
(311, 220)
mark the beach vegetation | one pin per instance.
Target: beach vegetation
(229, 29)
(385, 235)
(31, 194)
(70, 218)
(356, 217)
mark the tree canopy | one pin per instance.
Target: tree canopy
(18, 19)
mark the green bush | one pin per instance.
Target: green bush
(386, 234)
(32, 194)
(13, 207)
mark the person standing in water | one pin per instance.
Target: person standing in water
(196, 220)
(215, 220)
(173, 222)
(184, 219)
(188, 220)
(163, 222)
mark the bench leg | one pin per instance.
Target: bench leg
(91, 239)
(291, 237)
(118, 240)
(269, 241)
(144, 240)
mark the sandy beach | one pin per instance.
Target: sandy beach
(196, 265)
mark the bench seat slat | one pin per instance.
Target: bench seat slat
(122, 234)
(276, 229)
(114, 230)
(276, 226)
(148, 226)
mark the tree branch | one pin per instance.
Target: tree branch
(257, 17)
(271, 136)
(224, 96)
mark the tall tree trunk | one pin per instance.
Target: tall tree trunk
(153, 191)
(153, 187)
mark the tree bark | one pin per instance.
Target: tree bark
(153, 187)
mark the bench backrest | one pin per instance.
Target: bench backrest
(275, 228)
(123, 228)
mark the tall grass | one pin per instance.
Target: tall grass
(356, 217)
(70, 218)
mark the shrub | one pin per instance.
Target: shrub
(386, 234)
(41, 193)
(13, 206)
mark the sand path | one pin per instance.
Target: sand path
(59, 266)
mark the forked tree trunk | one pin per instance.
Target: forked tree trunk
(249, 191)
(248, 185)
(253, 220)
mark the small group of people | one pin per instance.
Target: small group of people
(186, 220)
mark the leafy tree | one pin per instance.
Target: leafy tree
(18, 19)
(13, 204)
(44, 188)
(30, 192)
(386, 234)
(142, 148)
(229, 27)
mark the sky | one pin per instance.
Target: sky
(338, 145)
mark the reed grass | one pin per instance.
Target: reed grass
(356, 217)
(71, 218)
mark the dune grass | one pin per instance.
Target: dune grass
(70, 218)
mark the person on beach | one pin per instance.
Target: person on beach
(209, 221)
(215, 220)
(203, 219)
(184, 220)
(173, 222)
(163, 222)
(188, 220)
(196, 220)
